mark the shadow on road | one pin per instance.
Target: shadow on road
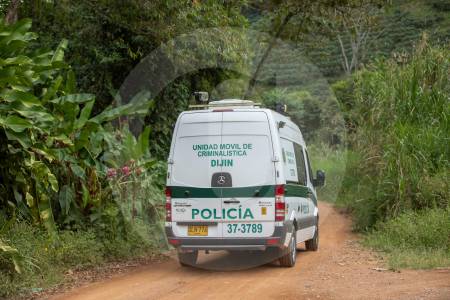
(239, 260)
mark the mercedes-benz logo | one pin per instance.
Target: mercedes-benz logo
(221, 179)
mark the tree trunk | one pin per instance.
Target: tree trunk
(255, 75)
(12, 13)
(345, 64)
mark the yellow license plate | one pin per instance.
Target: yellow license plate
(198, 230)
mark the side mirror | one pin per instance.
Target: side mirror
(320, 178)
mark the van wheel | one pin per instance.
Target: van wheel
(313, 244)
(289, 259)
(187, 259)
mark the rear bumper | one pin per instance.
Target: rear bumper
(277, 240)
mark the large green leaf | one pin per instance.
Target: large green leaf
(130, 109)
(71, 82)
(82, 140)
(143, 142)
(21, 137)
(25, 98)
(59, 52)
(38, 114)
(41, 150)
(64, 139)
(30, 200)
(18, 32)
(52, 90)
(53, 181)
(85, 195)
(14, 254)
(84, 115)
(18, 60)
(74, 98)
(15, 123)
(78, 171)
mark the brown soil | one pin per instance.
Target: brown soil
(341, 269)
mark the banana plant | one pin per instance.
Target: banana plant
(49, 142)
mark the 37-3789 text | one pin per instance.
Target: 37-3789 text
(244, 228)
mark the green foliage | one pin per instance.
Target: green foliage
(135, 189)
(397, 28)
(11, 254)
(318, 120)
(414, 239)
(45, 263)
(109, 38)
(50, 145)
(401, 138)
(333, 161)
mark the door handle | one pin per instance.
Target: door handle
(231, 201)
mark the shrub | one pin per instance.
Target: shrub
(50, 146)
(44, 262)
(77, 249)
(414, 239)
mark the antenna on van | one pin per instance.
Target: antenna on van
(201, 97)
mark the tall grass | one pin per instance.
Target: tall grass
(397, 173)
(45, 263)
(401, 111)
(333, 161)
(414, 239)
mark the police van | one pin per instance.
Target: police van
(239, 178)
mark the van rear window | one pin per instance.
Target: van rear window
(234, 143)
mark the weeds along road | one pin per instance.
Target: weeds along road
(341, 269)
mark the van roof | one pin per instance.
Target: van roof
(242, 105)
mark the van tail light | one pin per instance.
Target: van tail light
(280, 205)
(168, 205)
(174, 242)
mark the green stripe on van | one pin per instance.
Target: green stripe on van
(291, 190)
(296, 190)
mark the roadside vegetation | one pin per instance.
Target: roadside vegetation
(80, 186)
(74, 191)
(397, 179)
(418, 240)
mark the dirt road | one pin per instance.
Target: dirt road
(341, 269)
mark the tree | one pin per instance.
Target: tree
(108, 39)
(353, 27)
(12, 12)
(292, 19)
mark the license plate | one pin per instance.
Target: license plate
(198, 230)
(244, 228)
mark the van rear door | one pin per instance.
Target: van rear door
(195, 204)
(247, 159)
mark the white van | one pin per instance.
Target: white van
(239, 178)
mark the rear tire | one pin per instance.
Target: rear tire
(313, 244)
(188, 259)
(288, 260)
